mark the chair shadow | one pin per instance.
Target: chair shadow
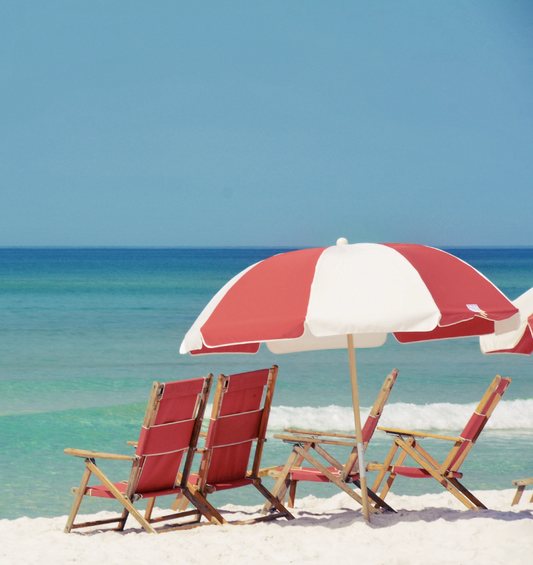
(346, 517)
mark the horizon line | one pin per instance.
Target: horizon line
(453, 246)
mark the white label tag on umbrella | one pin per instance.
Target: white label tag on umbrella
(475, 308)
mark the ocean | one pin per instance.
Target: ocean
(85, 332)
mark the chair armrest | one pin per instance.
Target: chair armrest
(300, 439)
(133, 443)
(417, 434)
(315, 433)
(86, 454)
(373, 466)
(522, 482)
(264, 472)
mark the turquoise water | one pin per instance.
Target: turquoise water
(85, 332)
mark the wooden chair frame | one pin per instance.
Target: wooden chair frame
(202, 488)
(447, 473)
(341, 475)
(127, 498)
(521, 485)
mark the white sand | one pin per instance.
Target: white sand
(427, 529)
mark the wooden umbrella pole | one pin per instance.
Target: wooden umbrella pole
(358, 430)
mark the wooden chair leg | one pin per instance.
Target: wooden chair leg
(280, 488)
(126, 503)
(292, 493)
(446, 483)
(401, 458)
(77, 501)
(272, 499)
(180, 504)
(149, 509)
(122, 521)
(334, 478)
(518, 494)
(521, 485)
(385, 467)
(467, 493)
(204, 507)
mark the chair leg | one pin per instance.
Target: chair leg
(292, 493)
(149, 509)
(122, 520)
(272, 499)
(204, 507)
(333, 478)
(446, 483)
(467, 493)
(280, 488)
(518, 495)
(385, 468)
(392, 476)
(77, 501)
(126, 503)
(181, 503)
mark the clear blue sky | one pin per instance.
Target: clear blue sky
(169, 123)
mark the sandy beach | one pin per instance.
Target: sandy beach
(432, 528)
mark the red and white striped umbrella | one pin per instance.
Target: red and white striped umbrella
(519, 341)
(348, 296)
(312, 298)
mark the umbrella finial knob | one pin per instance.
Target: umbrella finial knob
(342, 241)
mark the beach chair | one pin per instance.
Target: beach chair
(447, 473)
(239, 419)
(341, 475)
(170, 430)
(521, 485)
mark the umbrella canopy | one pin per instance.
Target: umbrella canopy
(519, 341)
(312, 298)
(349, 296)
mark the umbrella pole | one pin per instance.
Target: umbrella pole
(358, 430)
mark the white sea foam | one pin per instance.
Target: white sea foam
(509, 415)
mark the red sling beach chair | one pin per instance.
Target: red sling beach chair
(239, 418)
(170, 430)
(447, 473)
(341, 475)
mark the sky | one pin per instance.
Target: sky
(266, 123)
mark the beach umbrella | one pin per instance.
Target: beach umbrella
(519, 341)
(348, 296)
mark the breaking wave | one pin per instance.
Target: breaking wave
(508, 415)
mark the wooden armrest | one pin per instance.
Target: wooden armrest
(203, 434)
(266, 470)
(376, 466)
(299, 439)
(86, 454)
(134, 443)
(417, 434)
(522, 482)
(315, 433)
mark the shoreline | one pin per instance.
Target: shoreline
(430, 528)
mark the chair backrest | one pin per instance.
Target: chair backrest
(372, 420)
(171, 427)
(477, 422)
(241, 408)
